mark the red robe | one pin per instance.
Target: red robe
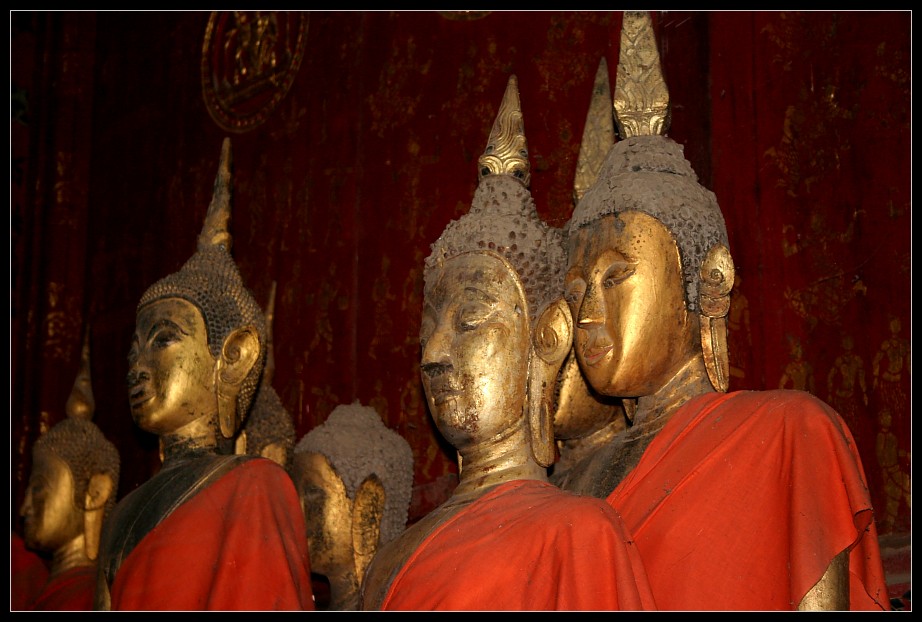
(239, 544)
(71, 590)
(525, 545)
(743, 499)
(28, 574)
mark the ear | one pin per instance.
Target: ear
(553, 335)
(98, 492)
(367, 511)
(239, 354)
(716, 280)
(553, 338)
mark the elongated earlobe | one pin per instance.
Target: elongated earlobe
(98, 491)
(239, 354)
(717, 275)
(553, 338)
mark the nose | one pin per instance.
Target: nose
(436, 357)
(590, 309)
(26, 507)
(135, 377)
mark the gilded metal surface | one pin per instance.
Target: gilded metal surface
(598, 134)
(717, 275)
(354, 477)
(328, 513)
(831, 592)
(641, 98)
(249, 62)
(477, 363)
(624, 284)
(81, 403)
(53, 522)
(507, 149)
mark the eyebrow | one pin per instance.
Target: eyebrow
(481, 295)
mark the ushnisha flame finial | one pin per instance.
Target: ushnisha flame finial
(598, 134)
(641, 102)
(507, 149)
(81, 404)
(216, 230)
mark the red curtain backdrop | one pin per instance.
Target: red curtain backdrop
(799, 122)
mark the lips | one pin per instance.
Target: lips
(593, 355)
(138, 398)
(441, 390)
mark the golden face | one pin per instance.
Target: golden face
(475, 345)
(51, 517)
(626, 292)
(579, 411)
(327, 512)
(171, 370)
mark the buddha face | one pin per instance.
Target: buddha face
(327, 512)
(171, 370)
(52, 519)
(475, 345)
(625, 289)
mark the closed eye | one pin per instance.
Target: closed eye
(618, 272)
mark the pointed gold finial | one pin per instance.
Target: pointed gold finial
(269, 371)
(215, 230)
(507, 149)
(80, 403)
(598, 134)
(641, 103)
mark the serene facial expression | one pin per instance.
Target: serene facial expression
(327, 512)
(52, 519)
(626, 292)
(170, 369)
(475, 345)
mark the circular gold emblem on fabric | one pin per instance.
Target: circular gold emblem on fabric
(249, 61)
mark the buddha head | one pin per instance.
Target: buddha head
(268, 431)
(199, 344)
(494, 329)
(73, 483)
(649, 271)
(354, 477)
(581, 413)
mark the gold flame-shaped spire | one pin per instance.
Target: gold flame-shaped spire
(80, 403)
(216, 229)
(598, 134)
(641, 103)
(507, 149)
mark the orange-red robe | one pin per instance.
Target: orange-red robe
(71, 590)
(525, 545)
(239, 544)
(28, 573)
(743, 499)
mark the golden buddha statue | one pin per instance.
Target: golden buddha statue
(585, 420)
(355, 480)
(209, 531)
(494, 334)
(268, 431)
(72, 489)
(743, 500)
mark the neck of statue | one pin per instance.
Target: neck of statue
(192, 440)
(71, 555)
(502, 459)
(690, 381)
(344, 591)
